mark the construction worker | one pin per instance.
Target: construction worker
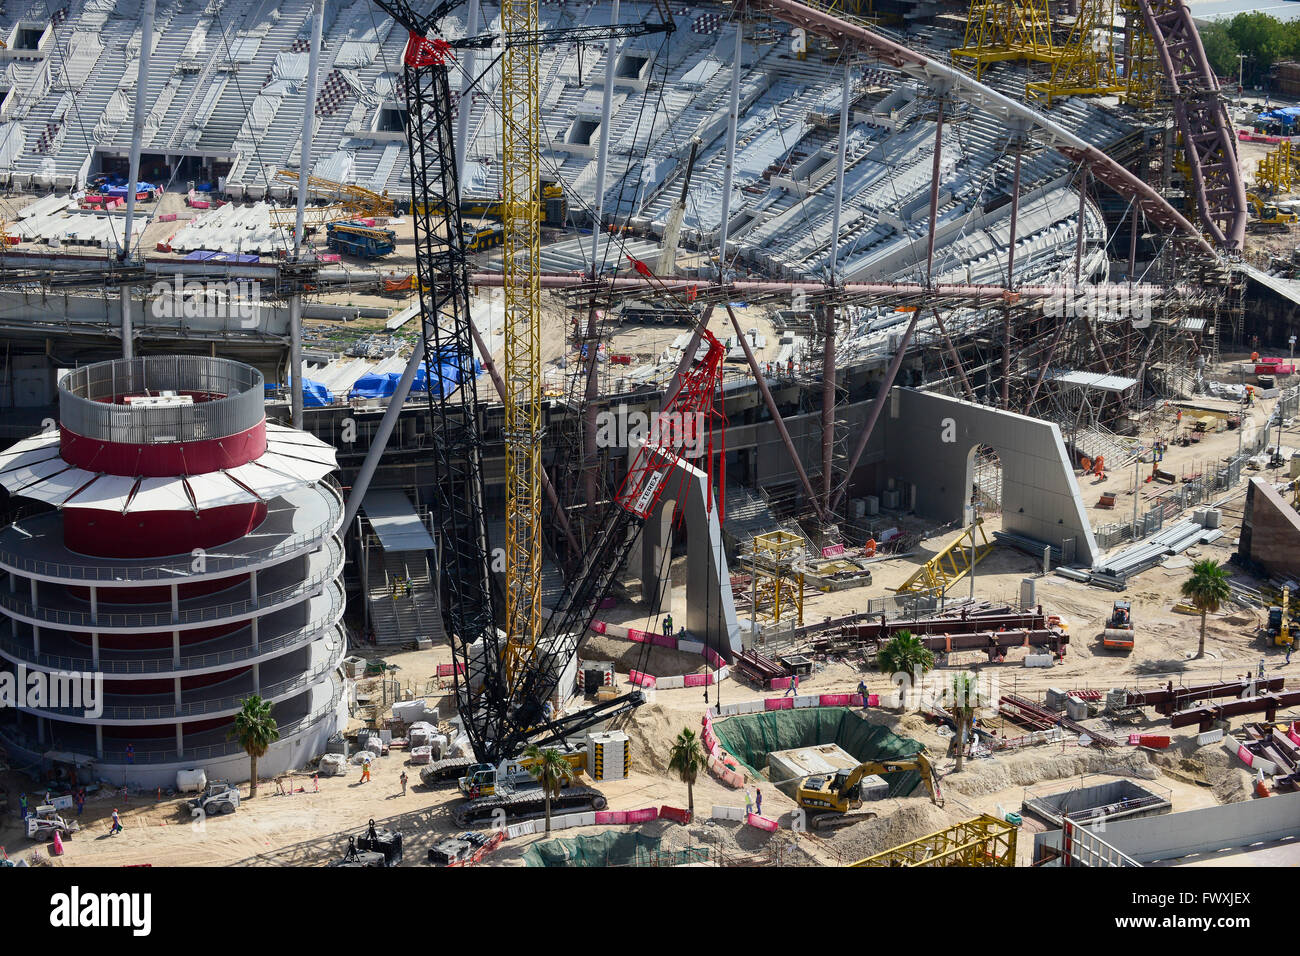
(862, 691)
(116, 828)
(749, 803)
(365, 771)
(1261, 667)
(22, 805)
(668, 625)
(1289, 648)
(402, 778)
(758, 801)
(793, 688)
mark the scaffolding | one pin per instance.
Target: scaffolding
(777, 581)
(1276, 172)
(1084, 65)
(1143, 78)
(984, 841)
(998, 30)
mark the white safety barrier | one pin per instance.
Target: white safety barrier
(807, 700)
(520, 829)
(691, 647)
(667, 683)
(728, 813)
(1209, 737)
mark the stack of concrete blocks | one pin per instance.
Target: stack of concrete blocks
(1116, 699)
(1054, 700)
(1076, 709)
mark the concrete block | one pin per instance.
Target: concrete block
(874, 788)
(1055, 699)
(690, 647)
(728, 813)
(1076, 709)
(667, 683)
(1039, 660)
(807, 700)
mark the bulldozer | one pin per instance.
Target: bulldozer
(511, 788)
(830, 797)
(1119, 632)
(45, 821)
(1281, 626)
(219, 797)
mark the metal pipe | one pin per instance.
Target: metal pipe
(1078, 239)
(733, 120)
(469, 71)
(133, 172)
(828, 405)
(602, 154)
(952, 353)
(380, 440)
(1011, 279)
(772, 410)
(934, 191)
(840, 162)
(304, 171)
(137, 131)
(873, 415)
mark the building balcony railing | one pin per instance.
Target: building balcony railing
(198, 614)
(24, 746)
(18, 650)
(213, 707)
(21, 545)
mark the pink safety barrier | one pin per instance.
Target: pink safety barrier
(329, 257)
(643, 816)
(834, 700)
(611, 816)
(636, 634)
(446, 670)
(640, 679)
(675, 813)
(1247, 757)
(200, 204)
(762, 823)
(873, 700)
(779, 703)
(779, 683)
(598, 627)
(664, 640)
(855, 700)
(833, 551)
(697, 680)
(1293, 733)
(713, 657)
(168, 217)
(607, 603)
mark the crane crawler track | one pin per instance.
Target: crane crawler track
(527, 806)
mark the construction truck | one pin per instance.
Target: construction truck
(358, 239)
(1119, 633)
(45, 821)
(830, 796)
(553, 209)
(509, 786)
(1281, 626)
(484, 235)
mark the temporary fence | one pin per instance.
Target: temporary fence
(685, 645)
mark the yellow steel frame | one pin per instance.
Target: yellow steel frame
(984, 841)
(1276, 172)
(354, 202)
(1007, 30)
(774, 577)
(951, 564)
(522, 368)
(1143, 77)
(1085, 63)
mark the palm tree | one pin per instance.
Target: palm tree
(549, 768)
(905, 652)
(256, 730)
(686, 758)
(1207, 589)
(964, 694)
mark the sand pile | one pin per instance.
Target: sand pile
(627, 655)
(1210, 766)
(651, 729)
(899, 822)
(1029, 767)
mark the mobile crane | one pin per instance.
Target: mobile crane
(840, 792)
(506, 675)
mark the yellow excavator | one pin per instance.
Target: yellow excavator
(828, 797)
(1268, 217)
(1281, 628)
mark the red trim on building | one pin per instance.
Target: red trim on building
(164, 459)
(156, 534)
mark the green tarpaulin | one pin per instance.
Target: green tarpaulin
(751, 737)
(611, 848)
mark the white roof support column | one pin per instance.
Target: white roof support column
(733, 118)
(469, 70)
(602, 153)
(133, 177)
(304, 171)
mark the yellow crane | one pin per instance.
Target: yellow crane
(352, 202)
(522, 368)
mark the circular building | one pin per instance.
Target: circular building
(174, 553)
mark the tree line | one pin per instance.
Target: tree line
(1263, 39)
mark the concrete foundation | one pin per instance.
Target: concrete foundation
(1270, 531)
(785, 767)
(1110, 799)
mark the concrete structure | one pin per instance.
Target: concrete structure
(786, 767)
(1270, 531)
(1249, 833)
(1093, 799)
(178, 554)
(929, 439)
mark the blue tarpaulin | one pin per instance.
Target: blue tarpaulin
(444, 380)
(315, 395)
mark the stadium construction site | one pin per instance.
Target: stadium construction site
(752, 434)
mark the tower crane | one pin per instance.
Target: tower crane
(503, 679)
